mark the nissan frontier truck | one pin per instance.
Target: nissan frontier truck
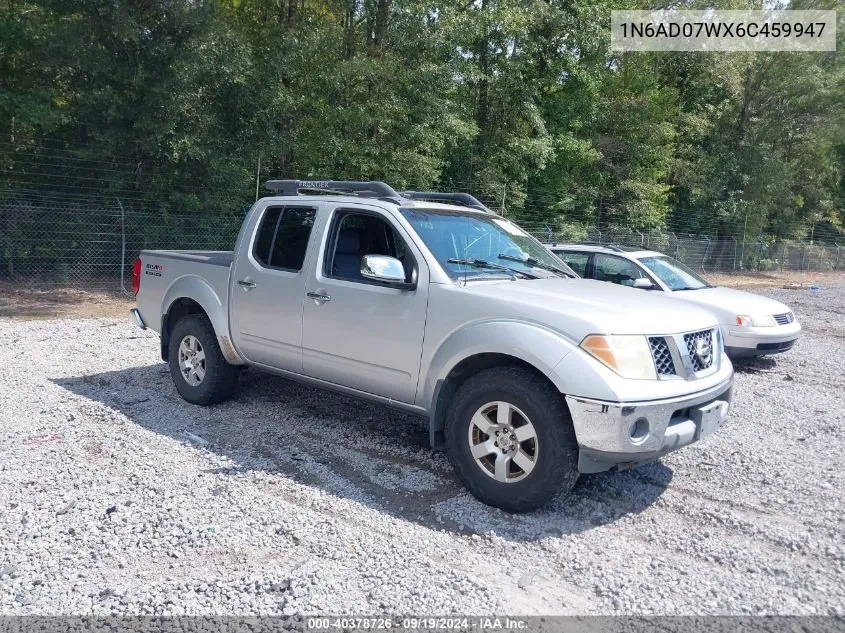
(526, 374)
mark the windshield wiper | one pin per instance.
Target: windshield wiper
(536, 263)
(483, 263)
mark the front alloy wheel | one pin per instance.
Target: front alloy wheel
(503, 442)
(510, 437)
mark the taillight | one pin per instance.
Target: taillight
(136, 277)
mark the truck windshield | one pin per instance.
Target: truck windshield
(464, 241)
(673, 273)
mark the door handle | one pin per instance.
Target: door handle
(246, 284)
(318, 296)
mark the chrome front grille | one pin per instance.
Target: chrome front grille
(700, 349)
(662, 356)
(785, 318)
(686, 356)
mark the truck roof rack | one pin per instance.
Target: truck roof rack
(370, 189)
(463, 198)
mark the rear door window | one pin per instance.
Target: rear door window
(264, 239)
(576, 261)
(282, 238)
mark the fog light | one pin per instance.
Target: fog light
(638, 431)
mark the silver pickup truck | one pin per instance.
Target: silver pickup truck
(526, 374)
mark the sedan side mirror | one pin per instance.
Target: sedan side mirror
(388, 270)
(643, 283)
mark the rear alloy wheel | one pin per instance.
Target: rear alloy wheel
(200, 372)
(192, 360)
(510, 438)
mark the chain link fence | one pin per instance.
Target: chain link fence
(81, 242)
(93, 242)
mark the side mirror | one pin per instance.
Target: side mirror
(643, 283)
(385, 269)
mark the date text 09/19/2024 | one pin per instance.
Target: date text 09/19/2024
(456, 623)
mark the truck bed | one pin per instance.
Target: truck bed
(200, 275)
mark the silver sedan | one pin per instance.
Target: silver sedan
(751, 325)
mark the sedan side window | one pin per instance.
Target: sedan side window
(616, 270)
(576, 261)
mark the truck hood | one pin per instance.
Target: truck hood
(585, 306)
(726, 303)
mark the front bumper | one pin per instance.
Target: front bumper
(624, 435)
(754, 341)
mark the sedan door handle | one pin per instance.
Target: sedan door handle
(246, 284)
(318, 296)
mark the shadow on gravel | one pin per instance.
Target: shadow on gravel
(754, 365)
(354, 450)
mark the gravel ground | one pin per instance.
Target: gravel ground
(118, 497)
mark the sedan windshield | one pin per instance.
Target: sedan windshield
(673, 273)
(473, 245)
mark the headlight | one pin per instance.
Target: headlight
(628, 356)
(764, 320)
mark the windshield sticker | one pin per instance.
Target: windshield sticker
(507, 226)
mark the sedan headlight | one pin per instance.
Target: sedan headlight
(763, 320)
(628, 356)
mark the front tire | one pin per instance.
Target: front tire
(199, 370)
(510, 438)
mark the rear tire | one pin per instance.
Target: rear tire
(199, 370)
(510, 438)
